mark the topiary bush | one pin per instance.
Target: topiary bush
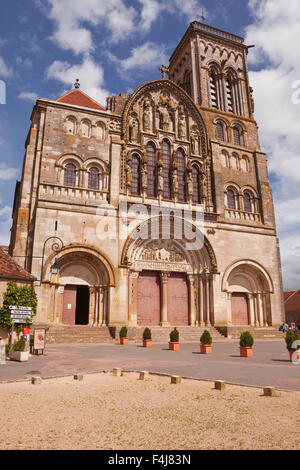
(147, 334)
(290, 337)
(206, 338)
(174, 336)
(19, 345)
(123, 332)
(246, 340)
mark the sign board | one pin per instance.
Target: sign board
(39, 338)
(2, 353)
(23, 309)
(20, 316)
(22, 320)
(26, 331)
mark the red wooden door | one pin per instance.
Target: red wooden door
(148, 299)
(178, 300)
(239, 309)
(69, 305)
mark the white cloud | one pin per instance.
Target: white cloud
(28, 96)
(5, 224)
(276, 34)
(90, 75)
(144, 57)
(7, 173)
(5, 70)
(69, 15)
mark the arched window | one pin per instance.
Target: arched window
(181, 175)
(229, 94)
(70, 175)
(231, 202)
(247, 202)
(214, 90)
(166, 159)
(196, 184)
(151, 170)
(70, 125)
(94, 178)
(237, 135)
(136, 175)
(220, 131)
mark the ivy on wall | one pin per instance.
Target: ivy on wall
(24, 296)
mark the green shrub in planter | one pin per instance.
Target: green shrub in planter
(174, 336)
(19, 345)
(246, 340)
(290, 337)
(206, 338)
(147, 334)
(123, 332)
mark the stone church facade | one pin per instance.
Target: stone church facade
(156, 211)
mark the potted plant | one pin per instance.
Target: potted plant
(123, 335)
(18, 353)
(206, 341)
(174, 340)
(147, 339)
(290, 338)
(246, 343)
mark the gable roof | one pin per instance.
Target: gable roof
(288, 294)
(9, 269)
(292, 303)
(78, 98)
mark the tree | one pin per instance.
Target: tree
(24, 296)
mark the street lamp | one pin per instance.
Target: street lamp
(56, 248)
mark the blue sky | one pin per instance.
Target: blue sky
(117, 45)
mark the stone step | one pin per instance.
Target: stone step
(161, 334)
(76, 334)
(234, 332)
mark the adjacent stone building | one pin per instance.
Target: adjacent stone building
(157, 210)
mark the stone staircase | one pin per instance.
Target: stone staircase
(159, 334)
(76, 334)
(234, 332)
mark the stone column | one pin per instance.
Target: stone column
(192, 301)
(164, 299)
(259, 310)
(92, 306)
(132, 297)
(265, 314)
(201, 302)
(207, 297)
(251, 309)
(97, 295)
(101, 321)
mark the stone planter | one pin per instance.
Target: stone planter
(123, 340)
(147, 343)
(246, 352)
(173, 346)
(20, 356)
(205, 348)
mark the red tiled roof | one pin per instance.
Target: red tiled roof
(288, 294)
(79, 98)
(9, 269)
(292, 304)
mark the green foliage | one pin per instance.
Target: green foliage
(123, 332)
(147, 334)
(174, 336)
(290, 337)
(206, 338)
(246, 340)
(24, 296)
(19, 345)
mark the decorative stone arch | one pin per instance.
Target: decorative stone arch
(70, 124)
(85, 276)
(99, 131)
(250, 279)
(61, 162)
(170, 259)
(86, 128)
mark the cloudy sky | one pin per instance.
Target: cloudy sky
(116, 45)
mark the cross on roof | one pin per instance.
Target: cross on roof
(164, 70)
(202, 16)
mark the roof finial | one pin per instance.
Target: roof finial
(202, 16)
(164, 70)
(77, 84)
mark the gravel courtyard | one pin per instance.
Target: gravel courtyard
(107, 412)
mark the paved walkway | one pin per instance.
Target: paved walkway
(269, 365)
